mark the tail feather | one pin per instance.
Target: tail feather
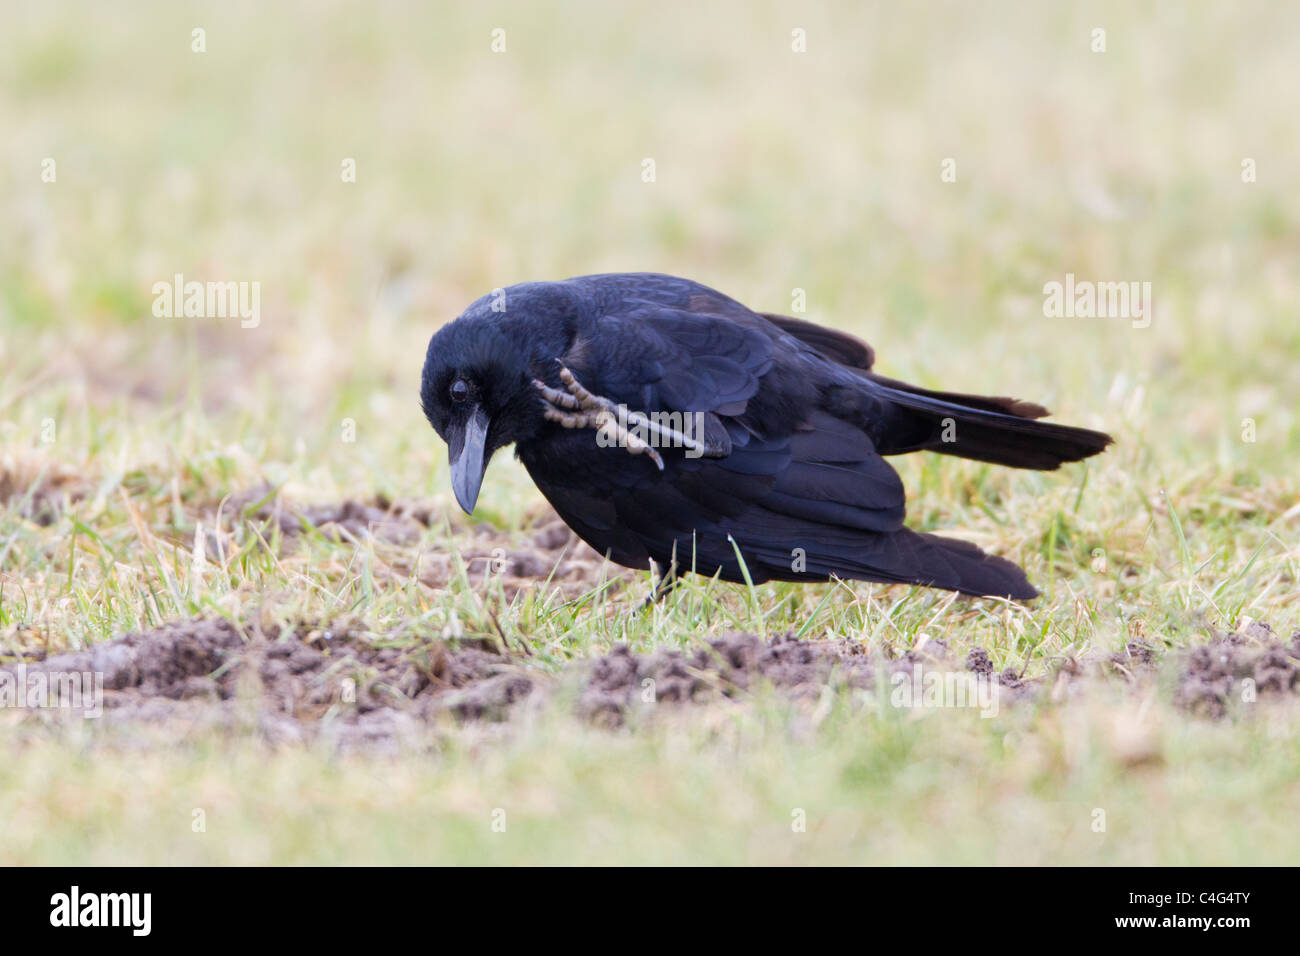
(1001, 431)
(896, 557)
(961, 566)
(909, 557)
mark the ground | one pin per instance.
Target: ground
(310, 655)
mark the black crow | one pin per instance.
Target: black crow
(671, 427)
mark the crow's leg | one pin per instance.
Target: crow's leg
(666, 579)
(579, 408)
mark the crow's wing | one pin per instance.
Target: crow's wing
(851, 352)
(653, 358)
(996, 429)
(802, 495)
(847, 350)
(795, 476)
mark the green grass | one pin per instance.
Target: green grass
(775, 171)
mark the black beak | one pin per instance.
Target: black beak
(467, 461)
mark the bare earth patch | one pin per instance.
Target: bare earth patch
(354, 688)
(548, 550)
(343, 684)
(1238, 668)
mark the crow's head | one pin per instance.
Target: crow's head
(476, 389)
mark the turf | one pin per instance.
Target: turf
(129, 444)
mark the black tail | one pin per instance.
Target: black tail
(1002, 431)
(961, 566)
(896, 557)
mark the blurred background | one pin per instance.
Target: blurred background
(775, 169)
(918, 171)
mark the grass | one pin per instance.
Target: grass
(775, 171)
(727, 787)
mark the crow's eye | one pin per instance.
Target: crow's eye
(459, 390)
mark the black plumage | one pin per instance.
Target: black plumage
(789, 468)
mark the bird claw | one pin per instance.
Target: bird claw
(577, 407)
